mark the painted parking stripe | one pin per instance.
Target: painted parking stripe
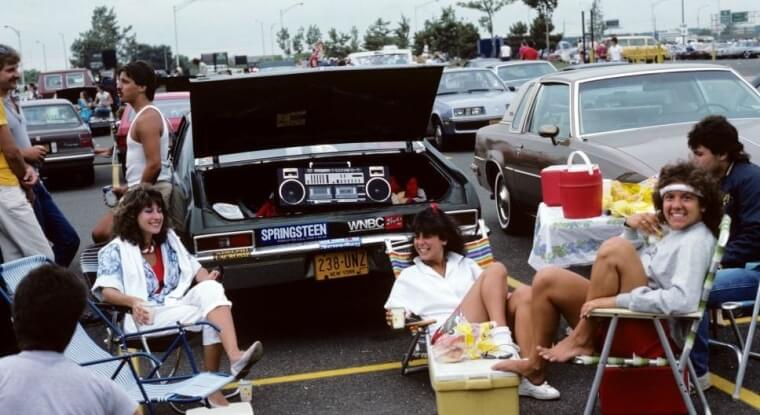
(745, 395)
(336, 373)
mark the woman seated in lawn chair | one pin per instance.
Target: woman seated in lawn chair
(644, 270)
(444, 285)
(147, 268)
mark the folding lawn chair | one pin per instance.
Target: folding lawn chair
(743, 346)
(677, 366)
(400, 256)
(194, 387)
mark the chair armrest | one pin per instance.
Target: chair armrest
(125, 357)
(175, 328)
(415, 326)
(626, 313)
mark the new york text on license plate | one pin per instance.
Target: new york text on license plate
(341, 264)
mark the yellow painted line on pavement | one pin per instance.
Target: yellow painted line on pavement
(513, 282)
(745, 395)
(745, 320)
(380, 367)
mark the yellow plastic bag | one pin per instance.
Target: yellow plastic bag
(626, 199)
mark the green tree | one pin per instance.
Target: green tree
(596, 8)
(298, 41)
(377, 35)
(402, 33)
(283, 40)
(518, 30)
(31, 75)
(540, 31)
(354, 44)
(489, 8)
(160, 56)
(313, 35)
(448, 35)
(105, 33)
(337, 44)
(545, 9)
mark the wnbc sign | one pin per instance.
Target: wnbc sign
(370, 224)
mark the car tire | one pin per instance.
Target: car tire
(506, 214)
(439, 138)
(88, 176)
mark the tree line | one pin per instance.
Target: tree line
(446, 34)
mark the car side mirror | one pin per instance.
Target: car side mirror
(549, 131)
(512, 88)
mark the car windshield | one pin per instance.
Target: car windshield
(663, 98)
(462, 82)
(50, 116)
(524, 71)
(382, 59)
(171, 108)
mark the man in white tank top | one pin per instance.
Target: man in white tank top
(147, 158)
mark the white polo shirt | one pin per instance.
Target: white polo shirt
(424, 292)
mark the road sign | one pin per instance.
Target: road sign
(612, 24)
(740, 17)
(725, 17)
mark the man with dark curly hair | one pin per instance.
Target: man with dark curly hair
(716, 148)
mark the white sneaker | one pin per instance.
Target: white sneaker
(544, 391)
(703, 382)
(507, 349)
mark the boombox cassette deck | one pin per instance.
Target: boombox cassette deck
(333, 185)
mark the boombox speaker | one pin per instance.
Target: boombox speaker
(319, 186)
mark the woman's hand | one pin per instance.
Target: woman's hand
(389, 317)
(204, 275)
(591, 305)
(646, 222)
(140, 314)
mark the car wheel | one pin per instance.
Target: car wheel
(747, 54)
(438, 136)
(505, 211)
(88, 176)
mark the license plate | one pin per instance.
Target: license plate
(53, 147)
(341, 264)
(496, 121)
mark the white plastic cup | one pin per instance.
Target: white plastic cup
(398, 317)
(150, 309)
(246, 390)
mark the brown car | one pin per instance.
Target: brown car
(51, 81)
(630, 119)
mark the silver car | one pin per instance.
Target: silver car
(515, 73)
(467, 99)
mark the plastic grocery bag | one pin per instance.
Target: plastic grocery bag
(466, 340)
(626, 199)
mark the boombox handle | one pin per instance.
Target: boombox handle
(313, 164)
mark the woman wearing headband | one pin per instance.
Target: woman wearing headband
(645, 269)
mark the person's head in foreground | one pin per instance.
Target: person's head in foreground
(46, 308)
(714, 145)
(435, 235)
(139, 219)
(686, 194)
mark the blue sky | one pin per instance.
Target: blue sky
(235, 26)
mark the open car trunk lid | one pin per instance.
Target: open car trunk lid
(307, 107)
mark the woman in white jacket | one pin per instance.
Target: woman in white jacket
(658, 265)
(146, 267)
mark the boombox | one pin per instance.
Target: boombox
(316, 186)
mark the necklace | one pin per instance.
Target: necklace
(150, 249)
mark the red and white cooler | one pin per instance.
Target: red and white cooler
(580, 188)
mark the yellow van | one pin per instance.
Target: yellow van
(639, 49)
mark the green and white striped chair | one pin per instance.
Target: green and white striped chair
(678, 366)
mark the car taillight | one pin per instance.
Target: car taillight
(85, 140)
(224, 241)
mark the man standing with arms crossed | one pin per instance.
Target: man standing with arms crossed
(147, 158)
(55, 226)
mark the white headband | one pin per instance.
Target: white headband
(679, 187)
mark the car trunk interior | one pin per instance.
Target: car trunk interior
(233, 185)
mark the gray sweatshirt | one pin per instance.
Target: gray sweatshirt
(675, 266)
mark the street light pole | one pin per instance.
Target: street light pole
(654, 19)
(44, 55)
(18, 34)
(285, 10)
(271, 38)
(175, 9)
(263, 49)
(65, 55)
(417, 7)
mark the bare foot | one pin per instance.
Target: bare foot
(570, 347)
(523, 367)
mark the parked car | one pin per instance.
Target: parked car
(482, 62)
(279, 188)
(467, 99)
(388, 55)
(630, 120)
(594, 65)
(174, 105)
(756, 83)
(515, 73)
(98, 125)
(55, 124)
(51, 81)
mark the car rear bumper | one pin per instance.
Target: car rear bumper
(66, 161)
(468, 127)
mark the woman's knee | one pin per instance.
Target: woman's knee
(522, 295)
(545, 279)
(497, 269)
(614, 247)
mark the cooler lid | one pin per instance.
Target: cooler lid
(331, 105)
(469, 374)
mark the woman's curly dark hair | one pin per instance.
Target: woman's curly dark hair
(434, 222)
(125, 218)
(710, 202)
